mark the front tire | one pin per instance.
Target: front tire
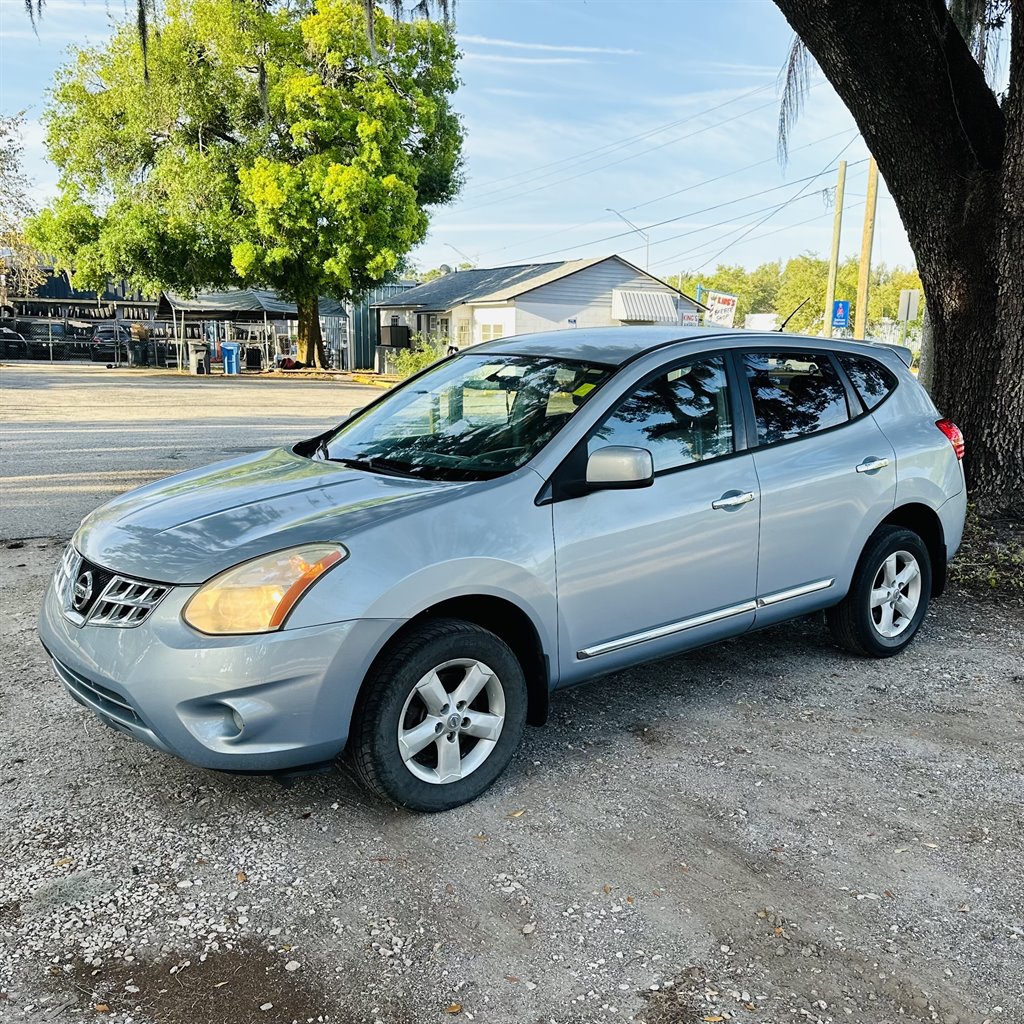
(440, 717)
(888, 597)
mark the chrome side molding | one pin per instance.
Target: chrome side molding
(703, 620)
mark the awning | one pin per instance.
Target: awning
(236, 301)
(643, 306)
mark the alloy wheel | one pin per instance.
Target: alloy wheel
(895, 594)
(451, 721)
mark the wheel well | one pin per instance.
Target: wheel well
(513, 626)
(927, 525)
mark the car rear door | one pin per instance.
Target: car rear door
(642, 573)
(827, 476)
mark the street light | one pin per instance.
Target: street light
(640, 231)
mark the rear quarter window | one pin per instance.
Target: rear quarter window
(873, 381)
(794, 393)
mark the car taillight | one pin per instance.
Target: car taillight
(955, 435)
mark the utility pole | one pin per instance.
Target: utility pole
(864, 275)
(833, 266)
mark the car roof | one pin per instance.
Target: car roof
(618, 345)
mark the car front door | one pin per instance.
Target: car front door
(827, 475)
(645, 572)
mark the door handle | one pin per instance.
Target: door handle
(733, 500)
(870, 465)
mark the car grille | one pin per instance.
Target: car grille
(91, 594)
(102, 700)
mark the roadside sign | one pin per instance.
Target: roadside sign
(689, 318)
(721, 309)
(910, 299)
(841, 313)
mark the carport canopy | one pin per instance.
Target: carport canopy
(229, 305)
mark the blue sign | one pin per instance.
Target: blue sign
(841, 313)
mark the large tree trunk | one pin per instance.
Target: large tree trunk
(954, 164)
(311, 342)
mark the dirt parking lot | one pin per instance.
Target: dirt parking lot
(764, 831)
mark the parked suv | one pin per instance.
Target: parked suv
(413, 584)
(110, 342)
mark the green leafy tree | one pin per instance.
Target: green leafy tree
(755, 290)
(270, 143)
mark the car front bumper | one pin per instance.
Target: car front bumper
(292, 691)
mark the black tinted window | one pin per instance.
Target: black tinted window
(795, 393)
(680, 417)
(873, 381)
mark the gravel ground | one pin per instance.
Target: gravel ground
(764, 831)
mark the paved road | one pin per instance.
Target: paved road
(73, 436)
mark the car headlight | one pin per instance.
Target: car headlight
(256, 596)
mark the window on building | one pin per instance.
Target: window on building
(795, 393)
(488, 332)
(680, 417)
(462, 333)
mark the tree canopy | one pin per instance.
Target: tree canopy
(778, 287)
(951, 150)
(272, 144)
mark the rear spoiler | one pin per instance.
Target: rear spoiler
(906, 354)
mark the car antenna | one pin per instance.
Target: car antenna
(793, 314)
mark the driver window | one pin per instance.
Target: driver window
(682, 416)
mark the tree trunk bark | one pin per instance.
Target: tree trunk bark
(953, 161)
(311, 342)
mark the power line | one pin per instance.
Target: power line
(768, 216)
(622, 160)
(728, 174)
(689, 188)
(608, 147)
(693, 213)
(766, 234)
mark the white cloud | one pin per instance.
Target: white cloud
(502, 58)
(546, 47)
(518, 93)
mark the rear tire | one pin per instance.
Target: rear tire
(888, 597)
(440, 717)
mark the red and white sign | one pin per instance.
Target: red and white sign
(721, 311)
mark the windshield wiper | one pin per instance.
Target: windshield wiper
(376, 464)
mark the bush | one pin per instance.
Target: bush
(421, 354)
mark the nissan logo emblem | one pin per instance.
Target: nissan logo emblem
(82, 594)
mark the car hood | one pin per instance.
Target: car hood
(187, 528)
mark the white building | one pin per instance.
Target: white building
(470, 306)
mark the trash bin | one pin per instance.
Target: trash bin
(198, 357)
(138, 353)
(230, 351)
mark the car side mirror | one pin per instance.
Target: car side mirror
(618, 467)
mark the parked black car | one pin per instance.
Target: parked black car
(12, 344)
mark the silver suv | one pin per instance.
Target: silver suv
(412, 585)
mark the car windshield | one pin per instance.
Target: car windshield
(468, 418)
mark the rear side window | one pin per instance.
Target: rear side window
(795, 393)
(873, 381)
